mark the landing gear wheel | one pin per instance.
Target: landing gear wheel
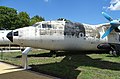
(115, 50)
(114, 53)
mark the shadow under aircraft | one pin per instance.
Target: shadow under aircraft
(70, 63)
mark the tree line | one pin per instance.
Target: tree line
(11, 19)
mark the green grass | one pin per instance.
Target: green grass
(70, 65)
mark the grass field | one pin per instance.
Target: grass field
(74, 65)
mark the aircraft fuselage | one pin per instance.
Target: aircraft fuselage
(59, 35)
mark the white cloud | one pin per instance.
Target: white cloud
(114, 1)
(114, 5)
(46, 0)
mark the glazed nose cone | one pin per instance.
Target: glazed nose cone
(10, 36)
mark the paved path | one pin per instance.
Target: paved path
(8, 71)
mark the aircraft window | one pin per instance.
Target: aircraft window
(43, 25)
(16, 33)
(34, 25)
(46, 26)
(39, 26)
(49, 26)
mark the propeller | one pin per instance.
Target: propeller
(114, 24)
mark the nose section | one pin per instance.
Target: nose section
(10, 36)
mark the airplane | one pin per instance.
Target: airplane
(65, 35)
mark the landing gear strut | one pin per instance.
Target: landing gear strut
(24, 58)
(112, 52)
(115, 50)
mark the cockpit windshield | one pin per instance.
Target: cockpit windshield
(35, 25)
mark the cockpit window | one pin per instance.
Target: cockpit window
(46, 26)
(35, 25)
(43, 25)
(16, 33)
(49, 26)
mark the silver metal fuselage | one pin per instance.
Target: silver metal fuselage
(3, 39)
(59, 35)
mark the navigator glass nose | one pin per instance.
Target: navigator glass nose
(10, 36)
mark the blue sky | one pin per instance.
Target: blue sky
(84, 11)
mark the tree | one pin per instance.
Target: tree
(36, 19)
(8, 17)
(24, 19)
(61, 19)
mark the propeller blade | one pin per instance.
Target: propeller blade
(107, 16)
(108, 31)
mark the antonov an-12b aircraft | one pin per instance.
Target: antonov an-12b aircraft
(66, 36)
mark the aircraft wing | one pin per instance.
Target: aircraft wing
(107, 25)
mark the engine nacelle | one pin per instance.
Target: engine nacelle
(104, 46)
